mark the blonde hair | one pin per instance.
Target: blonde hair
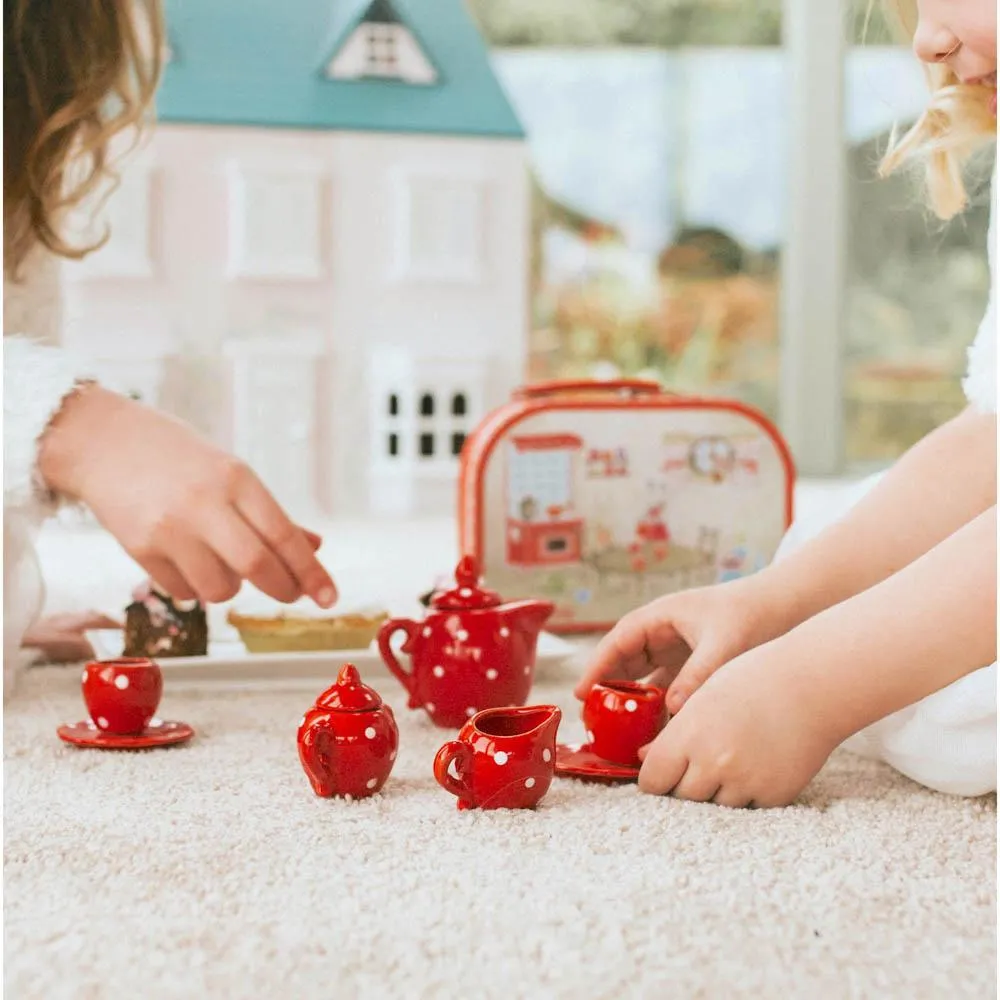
(956, 123)
(75, 75)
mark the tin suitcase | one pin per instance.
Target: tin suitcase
(601, 496)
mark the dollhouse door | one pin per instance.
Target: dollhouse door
(274, 419)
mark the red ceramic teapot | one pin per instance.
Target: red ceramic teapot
(471, 651)
(348, 739)
(504, 758)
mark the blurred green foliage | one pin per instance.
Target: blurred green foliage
(655, 23)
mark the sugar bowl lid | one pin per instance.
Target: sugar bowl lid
(349, 694)
(468, 595)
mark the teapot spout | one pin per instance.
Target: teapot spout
(528, 616)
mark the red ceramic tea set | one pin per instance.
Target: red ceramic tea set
(471, 666)
(122, 697)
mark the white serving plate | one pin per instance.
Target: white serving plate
(227, 660)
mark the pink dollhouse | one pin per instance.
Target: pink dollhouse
(320, 256)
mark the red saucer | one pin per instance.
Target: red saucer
(579, 761)
(156, 734)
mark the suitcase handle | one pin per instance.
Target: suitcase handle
(621, 386)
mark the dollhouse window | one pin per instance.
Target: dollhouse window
(439, 232)
(457, 442)
(427, 405)
(458, 404)
(381, 56)
(426, 445)
(393, 405)
(274, 224)
(393, 445)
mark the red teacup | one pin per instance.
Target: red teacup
(504, 758)
(122, 695)
(622, 716)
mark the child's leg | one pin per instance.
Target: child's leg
(947, 741)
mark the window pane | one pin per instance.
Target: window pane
(916, 287)
(655, 246)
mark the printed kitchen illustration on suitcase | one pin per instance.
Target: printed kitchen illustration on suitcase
(600, 505)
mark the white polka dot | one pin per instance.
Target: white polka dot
(371, 783)
(102, 722)
(527, 670)
(430, 706)
(392, 756)
(504, 631)
(500, 757)
(427, 631)
(491, 674)
(529, 782)
(470, 712)
(438, 671)
(465, 592)
(121, 682)
(461, 635)
(590, 736)
(370, 733)
(83, 679)
(630, 705)
(546, 755)
(90, 725)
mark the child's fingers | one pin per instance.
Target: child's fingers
(246, 553)
(168, 578)
(264, 514)
(700, 665)
(315, 541)
(630, 650)
(664, 766)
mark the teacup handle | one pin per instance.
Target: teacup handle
(460, 754)
(385, 634)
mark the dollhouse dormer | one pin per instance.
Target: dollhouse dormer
(373, 42)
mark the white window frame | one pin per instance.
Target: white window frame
(118, 259)
(407, 266)
(812, 280)
(245, 262)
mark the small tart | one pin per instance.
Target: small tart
(289, 633)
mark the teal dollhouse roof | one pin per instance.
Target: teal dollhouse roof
(263, 63)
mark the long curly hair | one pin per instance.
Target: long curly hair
(956, 123)
(76, 74)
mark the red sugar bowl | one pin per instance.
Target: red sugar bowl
(348, 740)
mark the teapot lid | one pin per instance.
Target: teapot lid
(349, 694)
(468, 595)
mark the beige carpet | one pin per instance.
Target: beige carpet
(212, 871)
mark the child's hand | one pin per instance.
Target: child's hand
(196, 519)
(680, 640)
(754, 734)
(60, 638)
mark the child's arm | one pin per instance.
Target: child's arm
(941, 484)
(681, 639)
(911, 635)
(760, 728)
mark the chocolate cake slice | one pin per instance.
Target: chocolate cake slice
(158, 626)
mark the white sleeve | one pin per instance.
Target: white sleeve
(981, 381)
(36, 380)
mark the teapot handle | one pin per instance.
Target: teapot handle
(460, 754)
(316, 751)
(385, 634)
